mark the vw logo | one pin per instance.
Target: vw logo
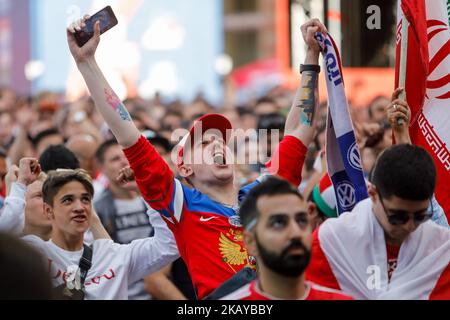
(346, 195)
(353, 157)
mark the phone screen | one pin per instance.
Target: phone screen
(107, 21)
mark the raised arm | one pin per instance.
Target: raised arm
(151, 254)
(287, 162)
(399, 109)
(153, 175)
(301, 121)
(106, 101)
(97, 228)
(24, 118)
(12, 217)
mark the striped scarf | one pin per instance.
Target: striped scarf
(343, 157)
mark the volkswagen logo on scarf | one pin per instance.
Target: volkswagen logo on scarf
(235, 221)
(346, 195)
(353, 157)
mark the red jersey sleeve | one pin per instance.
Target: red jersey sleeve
(152, 174)
(287, 161)
(319, 270)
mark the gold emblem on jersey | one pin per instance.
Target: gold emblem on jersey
(233, 253)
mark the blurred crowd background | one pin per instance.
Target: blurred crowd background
(172, 62)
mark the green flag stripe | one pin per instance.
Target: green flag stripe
(448, 11)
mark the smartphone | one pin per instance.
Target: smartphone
(107, 20)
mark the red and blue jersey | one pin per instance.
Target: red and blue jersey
(209, 235)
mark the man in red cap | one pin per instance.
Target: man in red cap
(204, 218)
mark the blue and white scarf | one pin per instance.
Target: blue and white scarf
(343, 157)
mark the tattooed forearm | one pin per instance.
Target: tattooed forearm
(308, 97)
(113, 100)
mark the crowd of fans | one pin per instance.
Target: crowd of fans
(29, 125)
(44, 133)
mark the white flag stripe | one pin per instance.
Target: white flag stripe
(178, 201)
(437, 111)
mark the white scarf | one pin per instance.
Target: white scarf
(355, 248)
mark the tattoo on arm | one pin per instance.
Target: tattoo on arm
(113, 100)
(308, 97)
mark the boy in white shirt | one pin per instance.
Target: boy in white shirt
(67, 198)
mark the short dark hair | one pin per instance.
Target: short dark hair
(43, 134)
(57, 179)
(271, 186)
(160, 141)
(405, 171)
(244, 111)
(100, 153)
(58, 157)
(320, 213)
(271, 121)
(172, 112)
(24, 272)
(265, 99)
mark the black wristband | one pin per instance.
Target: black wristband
(310, 67)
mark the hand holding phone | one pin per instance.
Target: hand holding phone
(107, 20)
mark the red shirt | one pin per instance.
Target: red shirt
(313, 292)
(392, 256)
(3, 190)
(209, 235)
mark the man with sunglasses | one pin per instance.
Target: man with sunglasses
(277, 224)
(386, 248)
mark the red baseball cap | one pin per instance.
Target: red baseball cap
(207, 122)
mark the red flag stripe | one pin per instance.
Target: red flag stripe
(432, 23)
(444, 96)
(439, 57)
(434, 84)
(435, 32)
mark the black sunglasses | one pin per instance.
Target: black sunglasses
(401, 218)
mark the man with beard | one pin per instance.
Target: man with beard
(278, 233)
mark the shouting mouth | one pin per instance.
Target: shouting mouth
(219, 159)
(80, 218)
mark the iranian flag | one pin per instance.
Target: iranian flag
(427, 82)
